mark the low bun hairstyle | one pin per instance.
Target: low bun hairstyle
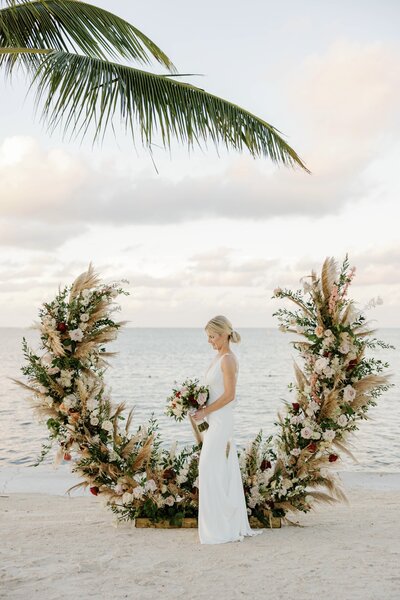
(221, 324)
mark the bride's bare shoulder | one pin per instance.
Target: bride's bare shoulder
(230, 360)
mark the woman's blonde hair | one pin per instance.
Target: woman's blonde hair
(221, 324)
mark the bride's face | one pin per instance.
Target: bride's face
(215, 339)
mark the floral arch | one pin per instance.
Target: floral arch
(283, 474)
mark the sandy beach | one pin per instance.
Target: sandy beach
(56, 546)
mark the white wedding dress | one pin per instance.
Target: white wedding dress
(222, 506)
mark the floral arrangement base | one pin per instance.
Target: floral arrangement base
(273, 523)
(187, 522)
(191, 523)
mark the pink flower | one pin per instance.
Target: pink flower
(202, 398)
(306, 433)
(333, 298)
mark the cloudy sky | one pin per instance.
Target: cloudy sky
(211, 233)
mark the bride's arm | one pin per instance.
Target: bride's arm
(228, 366)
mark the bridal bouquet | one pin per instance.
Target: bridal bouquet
(186, 399)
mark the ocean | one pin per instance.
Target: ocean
(148, 363)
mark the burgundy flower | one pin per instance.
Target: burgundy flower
(169, 474)
(333, 457)
(266, 464)
(270, 503)
(352, 364)
(94, 490)
(312, 447)
(178, 394)
(62, 327)
(67, 456)
(296, 406)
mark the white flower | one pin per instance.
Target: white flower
(65, 378)
(327, 342)
(328, 333)
(150, 485)
(170, 501)
(49, 321)
(46, 359)
(85, 294)
(91, 404)
(181, 478)
(42, 389)
(320, 364)
(76, 335)
(84, 317)
(306, 433)
(138, 491)
(316, 435)
(328, 371)
(349, 393)
(119, 489)
(312, 408)
(107, 425)
(344, 348)
(328, 435)
(341, 420)
(127, 498)
(295, 451)
(335, 363)
(287, 483)
(69, 401)
(163, 488)
(266, 475)
(53, 370)
(49, 401)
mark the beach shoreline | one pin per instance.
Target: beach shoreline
(60, 546)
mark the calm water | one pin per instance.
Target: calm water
(149, 361)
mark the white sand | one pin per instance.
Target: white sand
(67, 547)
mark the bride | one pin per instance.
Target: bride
(222, 507)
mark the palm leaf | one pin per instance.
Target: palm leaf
(75, 26)
(79, 91)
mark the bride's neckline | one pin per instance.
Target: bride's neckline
(219, 356)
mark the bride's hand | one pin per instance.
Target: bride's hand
(199, 414)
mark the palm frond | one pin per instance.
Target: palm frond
(79, 91)
(78, 27)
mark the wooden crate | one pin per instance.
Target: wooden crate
(192, 523)
(188, 522)
(256, 524)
